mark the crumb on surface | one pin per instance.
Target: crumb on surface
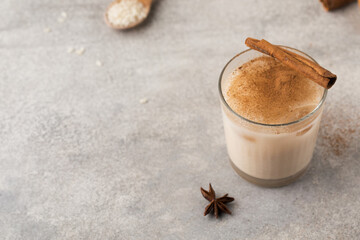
(80, 51)
(70, 50)
(144, 100)
(99, 63)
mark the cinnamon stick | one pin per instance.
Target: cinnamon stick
(330, 5)
(305, 66)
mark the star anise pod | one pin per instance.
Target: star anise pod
(215, 204)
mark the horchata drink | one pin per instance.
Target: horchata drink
(271, 113)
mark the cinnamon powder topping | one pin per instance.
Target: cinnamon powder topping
(267, 91)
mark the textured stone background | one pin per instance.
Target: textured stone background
(81, 158)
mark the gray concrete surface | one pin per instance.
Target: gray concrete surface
(82, 158)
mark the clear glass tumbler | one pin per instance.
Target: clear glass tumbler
(269, 155)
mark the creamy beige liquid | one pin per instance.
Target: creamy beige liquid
(265, 91)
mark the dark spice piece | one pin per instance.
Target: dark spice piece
(330, 5)
(216, 204)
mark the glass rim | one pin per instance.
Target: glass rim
(322, 100)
